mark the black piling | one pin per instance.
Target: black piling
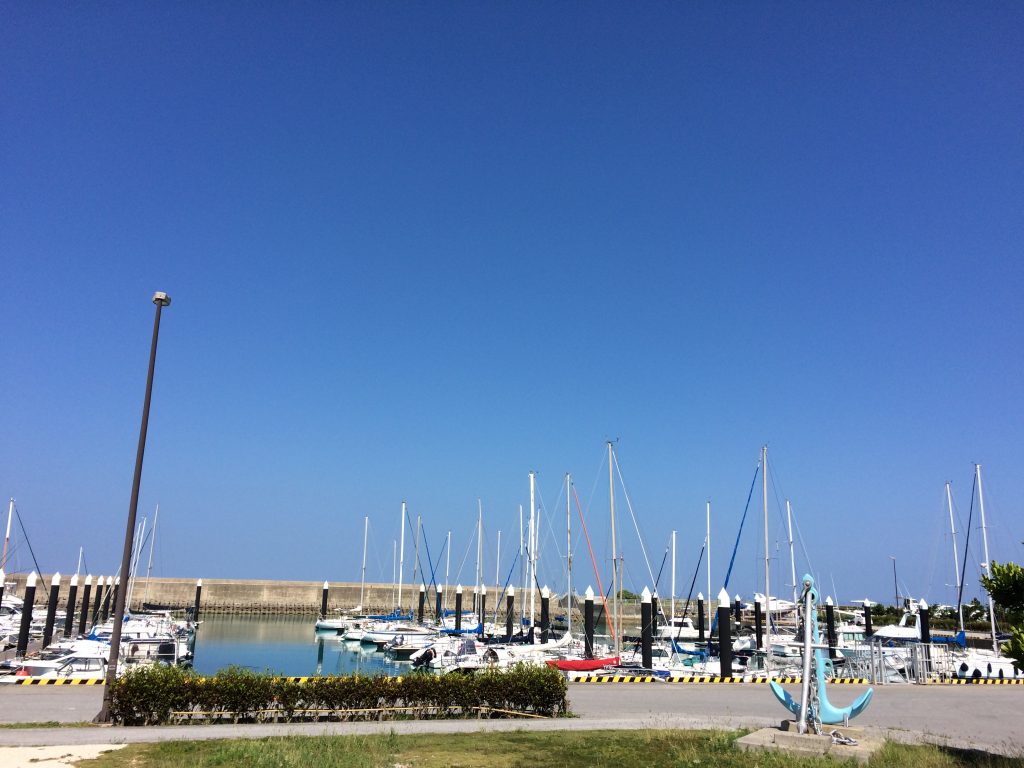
(483, 609)
(700, 618)
(758, 624)
(438, 600)
(737, 608)
(26, 614)
(646, 623)
(69, 616)
(458, 608)
(3, 579)
(724, 635)
(510, 610)
(588, 624)
(199, 595)
(84, 618)
(545, 614)
(830, 627)
(51, 610)
(101, 582)
(925, 617)
(107, 594)
(113, 596)
(423, 603)
(654, 614)
(323, 600)
(868, 629)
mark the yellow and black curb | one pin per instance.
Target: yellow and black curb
(979, 681)
(699, 679)
(56, 681)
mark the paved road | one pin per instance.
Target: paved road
(981, 717)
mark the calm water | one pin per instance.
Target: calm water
(286, 645)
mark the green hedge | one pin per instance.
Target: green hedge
(158, 694)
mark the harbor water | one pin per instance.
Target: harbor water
(285, 645)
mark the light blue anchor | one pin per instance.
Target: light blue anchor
(814, 707)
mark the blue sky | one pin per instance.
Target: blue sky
(417, 250)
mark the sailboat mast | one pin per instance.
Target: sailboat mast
(988, 563)
(401, 557)
(673, 600)
(479, 550)
(533, 550)
(523, 569)
(7, 536)
(149, 565)
(568, 550)
(767, 562)
(362, 577)
(447, 566)
(615, 561)
(708, 541)
(497, 566)
(78, 570)
(956, 557)
(792, 558)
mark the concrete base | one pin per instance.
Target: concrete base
(786, 738)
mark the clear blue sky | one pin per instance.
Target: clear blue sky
(417, 250)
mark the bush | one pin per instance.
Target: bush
(158, 694)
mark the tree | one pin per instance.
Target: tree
(1005, 584)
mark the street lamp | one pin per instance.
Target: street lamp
(161, 300)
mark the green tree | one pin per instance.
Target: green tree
(1005, 584)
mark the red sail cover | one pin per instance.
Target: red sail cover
(581, 665)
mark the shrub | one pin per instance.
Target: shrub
(153, 695)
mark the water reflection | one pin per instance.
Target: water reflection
(285, 645)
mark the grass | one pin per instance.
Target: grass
(50, 724)
(517, 749)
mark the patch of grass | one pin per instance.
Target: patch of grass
(515, 749)
(51, 724)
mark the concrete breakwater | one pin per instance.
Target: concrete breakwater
(258, 596)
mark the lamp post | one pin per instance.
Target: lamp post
(161, 300)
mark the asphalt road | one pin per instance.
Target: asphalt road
(979, 717)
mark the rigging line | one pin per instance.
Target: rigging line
(24, 533)
(469, 546)
(504, 589)
(803, 547)
(967, 544)
(593, 561)
(739, 533)
(629, 506)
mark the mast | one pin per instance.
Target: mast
(767, 562)
(708, 541)
(130, 581)
(523, 570)
(149, 566)
(568, 551)
(401, 558)
(362, 577)
(479, 551)
(79, 568)
(615, 563)
(988, 563)
(956, 557)
(533, 547)
(497, 566)
(673, 599)
(7, 536)
(447, 566)
(792, 559)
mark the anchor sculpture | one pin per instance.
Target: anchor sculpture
(814, 708)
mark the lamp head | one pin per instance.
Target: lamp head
(162, 299)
